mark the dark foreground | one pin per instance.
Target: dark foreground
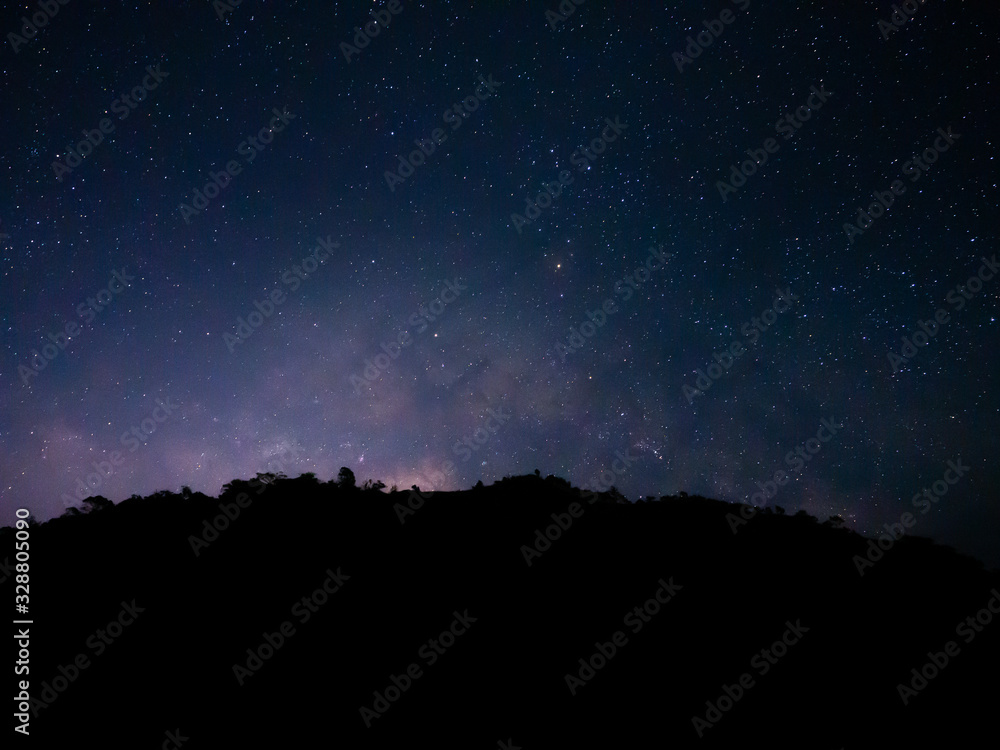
(317, 619)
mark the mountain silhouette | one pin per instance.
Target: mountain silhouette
(292, 612)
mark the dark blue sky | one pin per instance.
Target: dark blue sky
(607, 137)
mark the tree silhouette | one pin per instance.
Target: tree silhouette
(236, 486)
(345, 479)
(96, 503)
(803, 567)
(835, 522)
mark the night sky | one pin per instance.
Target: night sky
(215, 332)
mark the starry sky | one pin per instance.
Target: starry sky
(434, 216)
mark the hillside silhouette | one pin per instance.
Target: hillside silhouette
(474, 622)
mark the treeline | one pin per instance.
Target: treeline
(291, 610)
